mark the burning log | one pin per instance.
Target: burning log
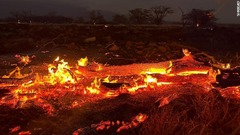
(113, 86)
(4, 92)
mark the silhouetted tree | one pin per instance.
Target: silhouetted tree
(139, 15)
(15, 14)
(79, 20)
(96, 17)
(199, 17)
(24, 15)
(120, 19)
(182, 16)
(159, 12)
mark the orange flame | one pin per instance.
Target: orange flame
(83, 62)
(187, 73)
(60, 73)
(95, 85)
(108, 81)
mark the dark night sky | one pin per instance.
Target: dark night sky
(226, 10)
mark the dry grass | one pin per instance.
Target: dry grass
(196, 113)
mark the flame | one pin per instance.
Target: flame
(156, 71)
(60, 72)
(99, 67)
(141, 117)
(122, 125)
(16, 73)
(164, 83)
(226, 66)
(187, 73)
(25, 60)
(159, 70)
(83, 62)
(186, 52)
(63, 79)
(136, 87)
(111, 94)
(95, 85)
(108, 81)
(15, 129)
(150, 79)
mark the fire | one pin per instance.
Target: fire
(60, 72)
(16, 73)
(164, 83)
(149, 79)
(226, 66)
(83, 62)
(25, 60)
(186, 52)
(99, 67)
(95, 86)
(15, 129)
(25, 133)
(136, 87)
(140, 118)
(122, 125)
(187, 73)
(108, 81)
(63, 79)
(159, 70)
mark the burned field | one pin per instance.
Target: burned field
(73, 79)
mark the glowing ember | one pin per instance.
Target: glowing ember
(23, 59)
(16, 73)
(164, 83)
(187, 73)
(140, 118)
(88, 78)
(226, 66)
(104, 125)
(156, 71)
(15, 129)
(159, 70)
(108, 81)
(83, 62)
(186, 52)
(25, 133)
(99, 67)
(150, 79)
(135, 88)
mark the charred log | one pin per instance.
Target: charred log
(229, 77)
